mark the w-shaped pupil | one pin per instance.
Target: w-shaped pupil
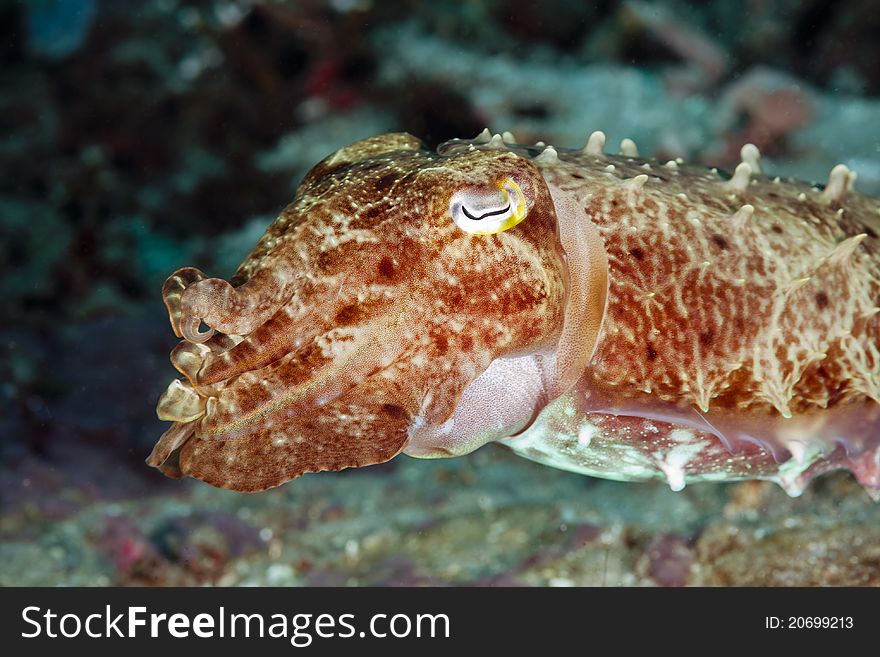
(492, 213)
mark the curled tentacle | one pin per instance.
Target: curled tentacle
(188, 357)
(234, 310)
(189, 329)
(192, 299)
(172, 291)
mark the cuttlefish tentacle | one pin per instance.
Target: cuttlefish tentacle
(287, 330)
(291, 329)
(302, 414)
(302, 381)
(168, 443)
(173, 289)
(192, 299)
(189, 357)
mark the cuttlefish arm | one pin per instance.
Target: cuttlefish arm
(192, 299)
(207, 363)
(307, 412)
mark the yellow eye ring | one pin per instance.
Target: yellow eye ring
(474, 213)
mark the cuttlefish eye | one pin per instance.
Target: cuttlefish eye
(484, 211)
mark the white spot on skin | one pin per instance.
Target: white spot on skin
(585, 434)
(674, 461)
(678, 435)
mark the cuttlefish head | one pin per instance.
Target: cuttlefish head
(405, 301)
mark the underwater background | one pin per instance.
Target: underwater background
(137, 137)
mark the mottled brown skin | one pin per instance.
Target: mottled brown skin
(759, 330)
(735, 316)
(740, 339)
(370, 308)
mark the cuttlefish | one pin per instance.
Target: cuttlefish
(604, 314)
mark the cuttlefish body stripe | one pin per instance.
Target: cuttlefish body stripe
(624, 318)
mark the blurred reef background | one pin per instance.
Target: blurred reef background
(141, 136)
